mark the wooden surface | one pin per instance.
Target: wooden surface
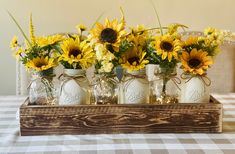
(100, 119)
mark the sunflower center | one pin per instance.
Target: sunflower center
(74, 52)
(40, 64)
(133, 59)
(193, 63)
(108, 35)
(167, 46)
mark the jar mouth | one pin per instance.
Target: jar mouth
(137, 72)
(74, 72)
(49, 72)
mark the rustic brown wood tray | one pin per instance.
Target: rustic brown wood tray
(110, 119)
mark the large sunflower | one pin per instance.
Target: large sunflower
(134, 59)
(78, 52)
(195, 62)
(41, 63)
(167, 47)
(111, 33)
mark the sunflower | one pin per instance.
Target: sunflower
(41, 63)
(139, 35)
(192, 40)
(49, 40)
(134, 59)
(111, 33)
(196, 62)
(167, 47)
(14, 42)
(76, 52)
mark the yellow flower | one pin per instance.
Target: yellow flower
(106, 66)
(111, 33)
(196, 62)
(41, 63)
(18, 53)
(14, 42)
(134, 59)
(209, 31)
(76, 52)
(138, 36)
(102, 53)
(49, 40)
(192, 40)
(172, 28)
(31, 31)
(81, 27)
(167, 47)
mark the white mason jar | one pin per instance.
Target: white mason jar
(195, 89)
(74, 88)
(135, 87)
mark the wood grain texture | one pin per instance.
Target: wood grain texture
(106, 119)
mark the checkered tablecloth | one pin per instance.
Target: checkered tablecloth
(11, 142)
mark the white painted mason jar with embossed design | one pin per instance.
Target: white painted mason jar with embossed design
(135, 87)
(74, 87)
(195, 89)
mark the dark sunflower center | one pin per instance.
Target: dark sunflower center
(108, 35)
(193, 63)
(167, 46)
(74, 52)
(133, 59)
(40, 64)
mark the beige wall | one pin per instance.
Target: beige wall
(52, 16)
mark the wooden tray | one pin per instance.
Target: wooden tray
(109, 119)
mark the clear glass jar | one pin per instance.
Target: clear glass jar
(43, 88)
(105, 89)
(135, 87)
(165, 89)
(74, 87)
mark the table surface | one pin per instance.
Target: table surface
(195, 143)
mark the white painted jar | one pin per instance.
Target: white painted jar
(195, 90)
(74, 88)
(135, 88)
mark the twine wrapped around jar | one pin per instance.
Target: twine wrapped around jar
(42, 88)
(164, 89)
(74, 87)
(135, 88)
(195, 88)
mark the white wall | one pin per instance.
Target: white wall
(52, 16)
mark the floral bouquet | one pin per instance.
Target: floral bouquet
(197, 56)
(39, 55)
(76, 56)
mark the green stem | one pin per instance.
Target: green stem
(164, 86)
(158, 19)
(97, 19)
(21, 30)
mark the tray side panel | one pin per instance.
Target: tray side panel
(187, 118)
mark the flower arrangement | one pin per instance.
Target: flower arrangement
(76, 51)
(164, 49)
(134, 57)
(38, 53)
(109, 45)
(199, 52)
(107, 42)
